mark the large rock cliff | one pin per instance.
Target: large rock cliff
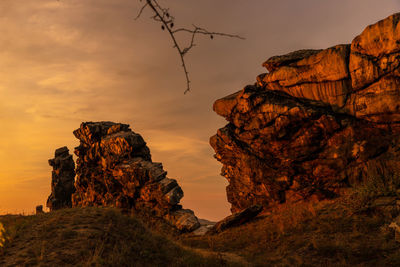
(317, 122)
(114, 168)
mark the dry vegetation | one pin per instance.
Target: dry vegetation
(328, 233)
(348, 231)
(91, 237)
(324, 234)
(341, 232)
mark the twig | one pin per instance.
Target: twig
(162, 15)
(141, 11)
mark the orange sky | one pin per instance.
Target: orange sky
(68, 61)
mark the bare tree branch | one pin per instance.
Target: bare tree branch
(141, 11)
(162, 15)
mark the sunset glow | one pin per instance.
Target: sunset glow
(68, 61)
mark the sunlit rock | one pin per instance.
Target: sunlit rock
(327, 65)
(275, 62)
(375, 52)
(318, 122)
(320, 75)
(114, 168)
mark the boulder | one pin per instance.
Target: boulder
(205, 226)
(184, 220)
(62, 182)
(114, 168)
(236, 219)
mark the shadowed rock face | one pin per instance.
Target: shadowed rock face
(62, 182)
(236, 219)
(319, 121)
(114, 168)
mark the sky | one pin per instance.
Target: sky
(68, 61)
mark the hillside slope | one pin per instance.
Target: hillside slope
(92, 237)
(348, 231)
(341, 232)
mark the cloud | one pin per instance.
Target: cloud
(64, 62)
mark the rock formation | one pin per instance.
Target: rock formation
(317, 122)
(114, 168)
(236, 219)
(39, 209)
(62, 182)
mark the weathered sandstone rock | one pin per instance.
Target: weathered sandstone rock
(374, 69)
(183, 219)
(375, 52)
(236, 219)
(277, 61)
(205, 226)
(320, 75)
(379, 102)
(327, 65)
(318, 122)
(114, 168)
(63, 177)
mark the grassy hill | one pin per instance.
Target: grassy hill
(323, 233)
(91, 237)
(327, 233)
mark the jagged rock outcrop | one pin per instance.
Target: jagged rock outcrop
(63, 178)
(114, 168)
(317, 122)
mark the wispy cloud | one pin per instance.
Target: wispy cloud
(64, 62)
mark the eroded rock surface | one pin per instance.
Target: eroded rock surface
(62, 182)
(114, 168)
(317, 122)
(236, 219)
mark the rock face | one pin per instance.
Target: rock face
(62, 182)
(317, 122)
(114, 168)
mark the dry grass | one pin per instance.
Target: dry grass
(327, 233)
(91, 237)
